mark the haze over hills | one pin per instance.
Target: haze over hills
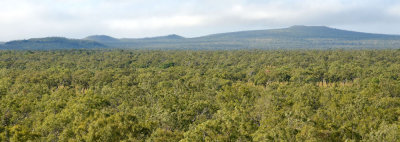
(304, 32)
(50, 43)
(168, 37)
(295, 37)
(102, 38)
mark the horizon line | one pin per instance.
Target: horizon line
(173, 34)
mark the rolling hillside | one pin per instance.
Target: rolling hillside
(102, 38)
(51, 43)
(295, 37)
(302, 32)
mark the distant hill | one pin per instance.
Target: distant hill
(50, 43)
(102, 38)
(168, 37)
(302, 32)
(294, 37)
(157, 39)
(135, 42)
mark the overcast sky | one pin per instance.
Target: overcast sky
(22, 19)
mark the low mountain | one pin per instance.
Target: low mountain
(301, 32)
(158, 42)
(101, 38)
(327, 32)
(50, 43)
(168, 37)
(295, 37)
(172, 37)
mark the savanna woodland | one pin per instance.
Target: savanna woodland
(237, 95)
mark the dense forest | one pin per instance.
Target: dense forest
(237, 95)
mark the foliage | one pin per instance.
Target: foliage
(249, 95)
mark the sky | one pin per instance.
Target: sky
(23, 19)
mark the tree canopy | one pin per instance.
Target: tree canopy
(243, 95)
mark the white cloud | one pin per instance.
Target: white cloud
(156, 23)
(394, 10)
(137, 18)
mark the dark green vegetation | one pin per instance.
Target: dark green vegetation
(89, 95)
(295, 37)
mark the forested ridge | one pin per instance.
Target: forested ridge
(294, 37)
(241, 95)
